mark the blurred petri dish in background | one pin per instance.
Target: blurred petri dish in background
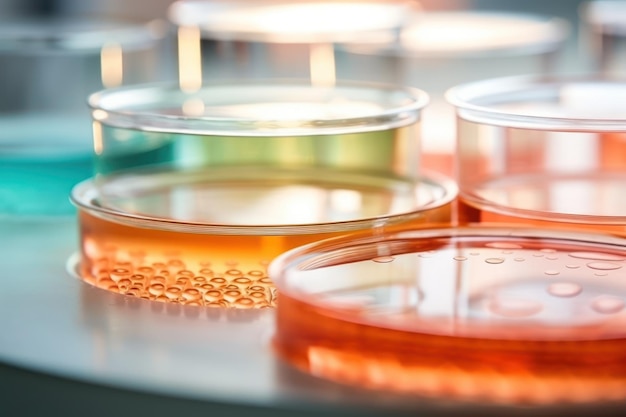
(48, 67)
(543, 151)
(603, 28)
(276, 38)
(487, 315)
(440, 49)
(218, 181)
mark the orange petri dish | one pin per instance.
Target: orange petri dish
(491, 315)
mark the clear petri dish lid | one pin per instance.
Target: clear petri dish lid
(260, 108)
(559, 103)
(471, 34)
(471, 283)
(46, 36)
(274, 21)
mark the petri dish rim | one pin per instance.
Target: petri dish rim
(84, 196)
(474, 101)
(313, 256)
(227, 21)
(136, 107)
(556, 29)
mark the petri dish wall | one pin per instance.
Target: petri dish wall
(544, 151)
(603, 27)
(486, 315)
(206, 187)
(275, 38)
(441, 49)
(48, 67)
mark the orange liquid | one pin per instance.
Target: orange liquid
(195, 269)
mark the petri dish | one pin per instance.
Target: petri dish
(441, 49)
(543, 151)
(276, 38)
(481, 315)
(217, 182)
(48, 67)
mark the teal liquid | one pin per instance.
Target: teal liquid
(41, 186)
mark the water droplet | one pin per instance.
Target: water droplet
(514, 307)
(191, 294)
(494, 260)
(185, 273)
(257, 295)
(243, 303)
(156, 289)
(503, 245)
(572, 266)
(538, 254)
(552, 258)
(607, 304)
(460, 258)
(474, 253)
(601, 274)
(552, 272)
(597, 256)
(564, 289)
(519, 259)
(234, 273)
(172, 292)
(603, 266)
(383, 259)
(212, 296)
(218, 281)
(255, 273)
(507, 252)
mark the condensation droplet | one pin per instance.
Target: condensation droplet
(552, 272)
(564, 289)
(460, 258)
(503, 245)
(514, 307)
(383, 259)
(494, 260)
(572, 266)
(552, 258)
(507, 252)
(597, 256)
(601, 274)
(519, 259)
(603, 266)
(607, 304)
(538, 254)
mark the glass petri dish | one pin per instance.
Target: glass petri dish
(48, 67)
(221, 180)
(543, 151)
(488, 315)
(441, 49)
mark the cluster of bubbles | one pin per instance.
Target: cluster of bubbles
(173, 281)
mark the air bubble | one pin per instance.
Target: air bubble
(603, 266)
(514, 307)
(383, 259)
(494, 260)
(460, 258)
(597, 256)
(564, 289)
(607, 304)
